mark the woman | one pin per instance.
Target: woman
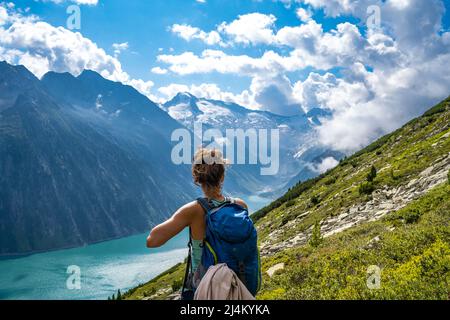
(208, 171)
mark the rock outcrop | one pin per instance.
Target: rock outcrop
(383, 201)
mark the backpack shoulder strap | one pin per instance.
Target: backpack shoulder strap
(205, 204)
(230, 200)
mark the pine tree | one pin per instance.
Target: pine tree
(372, 175)
(119, 295)
(316, 237)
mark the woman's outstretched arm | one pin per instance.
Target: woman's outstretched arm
(171, 227)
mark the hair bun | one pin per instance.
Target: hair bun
(208, 168)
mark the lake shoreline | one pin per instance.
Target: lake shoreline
(12, 256)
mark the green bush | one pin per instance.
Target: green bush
(316, 237)
(411, 216)
(372, 174)
(176, 285)
(290, 203)
(315, 200)
(393, 176)
(366, 188)
(330, 181)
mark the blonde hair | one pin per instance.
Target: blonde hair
(208, 168)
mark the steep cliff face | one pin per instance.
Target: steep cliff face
(70, 175)
(385, 211)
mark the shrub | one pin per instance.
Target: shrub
(316, 237)
(392, 174)
(366, 188)
(285, 220)
(372, 174)
(176, 284)
(315, 200)
(448, 176)
(411, 216)
(330, 181)
(290, 203)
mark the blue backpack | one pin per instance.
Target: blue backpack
(230, 238)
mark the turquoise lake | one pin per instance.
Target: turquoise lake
(104, 267)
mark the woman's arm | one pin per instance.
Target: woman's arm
(170, 228)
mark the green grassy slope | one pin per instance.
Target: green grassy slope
(413, 255)
(396, 219)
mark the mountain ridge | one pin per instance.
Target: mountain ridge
(72, 173)
(296, 132)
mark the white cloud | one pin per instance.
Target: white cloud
(216, 60)
(3, 16)
(325, 165)
(189, 33)
(391, 99)
(252, 28)
(159, 70)
(275, 94)
(88, 2)
(144, 87)
(81, 2)
(304, 15)
(119, 48)
(387, 75)
(311, 47)
(42, 47)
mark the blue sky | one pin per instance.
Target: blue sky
(144, 25)
(374, 70)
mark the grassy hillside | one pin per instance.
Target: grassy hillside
(386, 206)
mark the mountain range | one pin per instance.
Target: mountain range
(84, 159)
(299, 150)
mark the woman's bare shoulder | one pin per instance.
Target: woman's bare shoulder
(241, 202)
(192, 206)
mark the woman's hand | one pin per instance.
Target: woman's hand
(170, 228)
